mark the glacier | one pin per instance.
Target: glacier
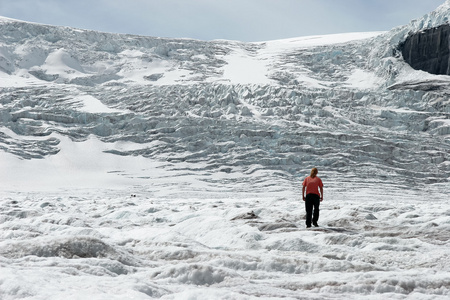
(139, 167)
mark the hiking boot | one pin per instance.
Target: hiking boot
(316, 225)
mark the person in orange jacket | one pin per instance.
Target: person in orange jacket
(312, 193)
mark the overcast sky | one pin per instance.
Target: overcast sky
(243, 20)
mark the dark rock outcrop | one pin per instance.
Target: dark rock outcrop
(428, 50)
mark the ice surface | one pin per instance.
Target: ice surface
(159, 244)
(137, 167)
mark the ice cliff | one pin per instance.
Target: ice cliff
(348, 104)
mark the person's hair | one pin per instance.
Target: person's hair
(314, 172)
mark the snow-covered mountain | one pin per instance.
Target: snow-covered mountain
(203, 132)
(281, 105)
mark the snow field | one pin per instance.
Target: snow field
(141, 246)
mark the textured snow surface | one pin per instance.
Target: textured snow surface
(136, 167)
(98, 244)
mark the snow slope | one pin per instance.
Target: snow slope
(138, 167)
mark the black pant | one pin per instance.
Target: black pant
(312, 202)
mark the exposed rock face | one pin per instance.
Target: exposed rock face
(428, 50)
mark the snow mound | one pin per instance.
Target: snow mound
(193, 274)
(70, 248)
(60, 61)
